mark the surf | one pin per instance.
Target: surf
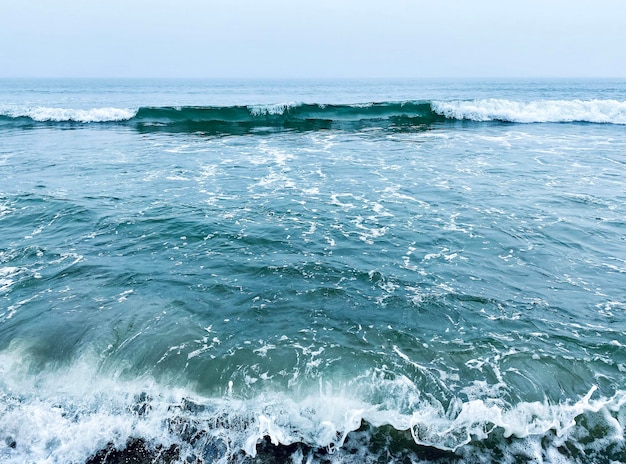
(75, 413)
(240, 119)
(538, 111)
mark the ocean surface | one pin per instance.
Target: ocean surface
(311, 271)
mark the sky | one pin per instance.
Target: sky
(317, 38)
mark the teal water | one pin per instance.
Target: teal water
(347, 271)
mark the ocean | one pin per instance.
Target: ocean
(304, 271)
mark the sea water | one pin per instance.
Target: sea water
(312, 271)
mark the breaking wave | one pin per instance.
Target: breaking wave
(592, 111)
(48, 114)
(78, 415)
(312, 116)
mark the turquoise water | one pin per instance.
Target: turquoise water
(344, 271)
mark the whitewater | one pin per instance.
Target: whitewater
(312, 271)
(592, 111)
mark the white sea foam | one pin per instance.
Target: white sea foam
(44, 114)
(68, 414)
(275, 109)
(7, 275)
(4, 209)
(596, 111)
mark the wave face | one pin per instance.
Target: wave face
(101, 419)
(307, 117)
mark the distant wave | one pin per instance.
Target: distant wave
(47, 114)
(313, 116)
(592, 111)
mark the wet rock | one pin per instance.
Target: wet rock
(136, 451)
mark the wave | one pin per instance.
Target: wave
(46, 114)
(312, 116)
(542, 111)
(76, 414)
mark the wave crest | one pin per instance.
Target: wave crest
(593, 111)
(71, 420)
(50, 114)
(410, 115)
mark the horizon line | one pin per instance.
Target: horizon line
(318, 78)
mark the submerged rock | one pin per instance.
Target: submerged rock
(137, 451)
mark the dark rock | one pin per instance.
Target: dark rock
(137, 451)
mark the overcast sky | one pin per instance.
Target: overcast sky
(320, 38)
